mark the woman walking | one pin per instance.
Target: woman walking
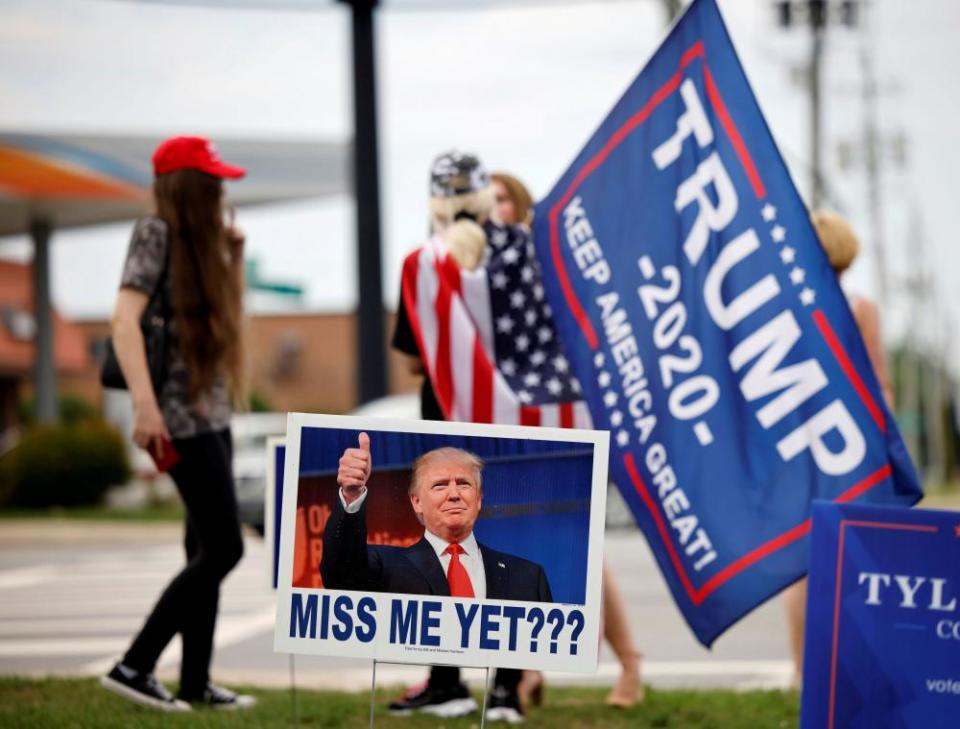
(184, 265)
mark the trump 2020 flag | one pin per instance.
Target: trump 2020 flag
(709, 333)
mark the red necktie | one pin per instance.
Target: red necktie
(460, 585)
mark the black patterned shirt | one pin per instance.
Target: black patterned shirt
(210, 410)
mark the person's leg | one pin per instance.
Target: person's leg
(204, 480)
(795, 601)
(442, 695)
(444, 676)
(616, 629)
(503, 703)
(215, 525)
(507, 678)
(530, 689)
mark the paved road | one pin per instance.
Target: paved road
(72, 594)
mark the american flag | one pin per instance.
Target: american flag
(488, 336)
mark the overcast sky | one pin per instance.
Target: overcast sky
(523, 84)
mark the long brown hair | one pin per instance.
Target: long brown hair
(207, 295)
(519, 194)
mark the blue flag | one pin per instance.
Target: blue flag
(883, 619)
(709, 333)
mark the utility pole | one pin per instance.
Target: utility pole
(873, 160)
(816, 14)
(371, 335)
(45, 373)
(818, 20)
(672, 8)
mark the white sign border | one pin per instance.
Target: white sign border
(587, 655)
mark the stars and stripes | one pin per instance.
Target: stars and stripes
(488, 337)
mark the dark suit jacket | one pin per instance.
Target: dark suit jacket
(349, 563)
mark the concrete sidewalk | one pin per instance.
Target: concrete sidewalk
(73, 593)
(53, 531)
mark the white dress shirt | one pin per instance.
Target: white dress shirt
(471, 559)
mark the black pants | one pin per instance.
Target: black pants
(214, 545)
(447, 676)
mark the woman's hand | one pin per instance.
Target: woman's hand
(149, 430)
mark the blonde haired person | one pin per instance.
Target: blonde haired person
(514, 203)
(461, 219)
(841, 245)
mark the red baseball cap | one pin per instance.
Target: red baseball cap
(192, 153)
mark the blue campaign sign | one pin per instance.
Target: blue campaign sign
(709, 333)
(883, 619)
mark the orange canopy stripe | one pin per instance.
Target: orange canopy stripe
(35, 176)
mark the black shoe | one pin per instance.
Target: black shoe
(446, 702)
(142, 688)
(218, 697)
(504, 705)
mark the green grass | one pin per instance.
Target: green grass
(81, 703)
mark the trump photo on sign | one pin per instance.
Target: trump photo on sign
(456, 544)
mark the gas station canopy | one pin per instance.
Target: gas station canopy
(50, 181)
(73, 180)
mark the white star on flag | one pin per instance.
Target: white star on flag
(498, 238)
(575, 385)
(610, 399)
(538, 292)
(554, 385)
(517, 299)
(547, 311)
(538, 358)
(531, 379)
(530, 316)
(544, 334)
(508, 367)
(603, 379)
(616, 417)
(623, 437)
(797, 275)
(499, 280)
(510, 256)
(787, 255)
(526, 273)
(505, 324)
(524, 396)
(807, 296)
(560, 363)
(522, 342)
(778, 233)
(769, 212)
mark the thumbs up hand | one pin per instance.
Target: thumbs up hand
(354, 469)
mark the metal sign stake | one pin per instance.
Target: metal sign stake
(293, 692)
(373, 691)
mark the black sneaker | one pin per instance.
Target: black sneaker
(504, 705)
(218, 697)
(142, 688)
(446, 702)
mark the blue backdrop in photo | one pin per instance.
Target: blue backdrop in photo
(536, 494)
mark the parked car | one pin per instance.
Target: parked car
(250, 433)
